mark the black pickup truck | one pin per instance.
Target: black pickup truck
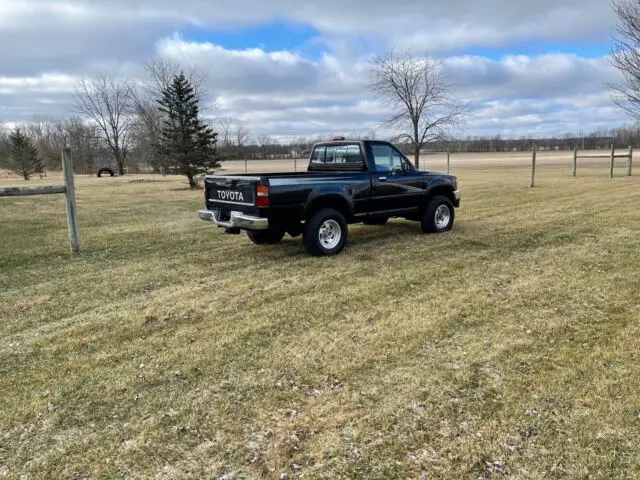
(347, 181)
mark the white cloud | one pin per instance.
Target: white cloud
(283, 94)
(46, 46)
(518, 76)
(76, 31)
(45, 83)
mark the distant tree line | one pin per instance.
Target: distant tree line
(598, 139)
(123, 125)
(234, 142)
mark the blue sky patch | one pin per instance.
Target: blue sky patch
(307, 41)
(271, 37)
(586, 50)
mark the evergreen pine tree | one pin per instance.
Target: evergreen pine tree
(24, 158)
(186, 144)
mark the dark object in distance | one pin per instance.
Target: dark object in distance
(106, 171)
(347, 181)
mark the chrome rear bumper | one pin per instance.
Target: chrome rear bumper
(236, 220)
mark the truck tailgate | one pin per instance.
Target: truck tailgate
(229, 192)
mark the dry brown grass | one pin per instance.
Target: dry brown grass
(170, 350)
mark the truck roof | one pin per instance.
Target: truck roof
(348, 141)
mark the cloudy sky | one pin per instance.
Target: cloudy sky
(298, 67)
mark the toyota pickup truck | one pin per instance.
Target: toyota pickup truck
(347, 182)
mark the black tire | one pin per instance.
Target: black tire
(434, 219)
(377, 221)
(105, 171)
(327, 218)
(266, 237)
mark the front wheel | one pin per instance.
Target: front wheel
(266, 237)
(325, 233)
(438, 216)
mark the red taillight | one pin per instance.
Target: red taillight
(262, 193)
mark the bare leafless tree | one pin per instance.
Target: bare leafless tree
(51, 135)
(264, 142)
(241, 136)
(224, 127)
(625, 56)
(4, 144)
(160, 73)
(84, 141)
(418, 94)
(42, 132)
(109, 102)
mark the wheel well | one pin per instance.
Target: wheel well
(443, 191)
(335, 202)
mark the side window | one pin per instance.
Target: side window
(388, 159)
(396, 161)
(381, 157)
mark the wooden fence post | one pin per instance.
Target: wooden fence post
(575, 160)
(613, 157)
(533, 167)
(246, 168)
(295, 163)
(70, 195)
(630, 159)
(448, 161)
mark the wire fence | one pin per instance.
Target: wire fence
(459, 162)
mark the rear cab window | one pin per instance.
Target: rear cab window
(337, 156)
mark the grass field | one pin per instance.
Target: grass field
(458, 161)
(510, 346)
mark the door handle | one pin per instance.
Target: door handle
(382, 179)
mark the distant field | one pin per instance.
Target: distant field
(430, 161)
(459, 161)
(169, 350)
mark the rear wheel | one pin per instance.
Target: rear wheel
(266, 237)
(325, 233)
(438, 216)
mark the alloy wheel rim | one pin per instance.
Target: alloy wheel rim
(329, 234)
(442, 217)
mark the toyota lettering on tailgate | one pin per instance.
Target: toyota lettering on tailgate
(229, 195)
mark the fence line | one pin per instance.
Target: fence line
(28, 191)
(611, 156)
(454, 162)
(533, 168)
(68, 189)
